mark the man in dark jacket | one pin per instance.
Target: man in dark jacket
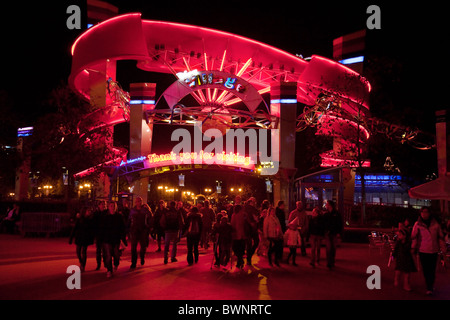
(98, 216)
(333, 226)
(252, 228)
(223, 232)
(208, 217)
(281, 215)
(112, 231)
(193, 228)
(139, 222)
(172, 222)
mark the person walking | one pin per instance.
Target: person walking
(303, 222)
(193, 229)
(404, 261)
(124, 210)
(215, 238)
(208, 217)
(112, 231)
(333, 226)
(252, 221)
(139, 222)
(316, 234)
(180, 207)
(172, 222)
(281, 215)
(157, 228)
(272, 232)
(427, 237)
(83, 233)
(238, 234)
(98, 216)
(225, 238)
(292, 240)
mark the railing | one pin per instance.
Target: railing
(44, 223)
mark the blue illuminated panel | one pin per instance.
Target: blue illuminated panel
(378, 180)
(142, 102)
(25, 132)
(352, 60)
(285, 101)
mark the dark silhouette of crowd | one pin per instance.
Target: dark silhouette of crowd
(240, 229)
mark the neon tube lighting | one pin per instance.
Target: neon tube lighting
(98, 25)
(244, 67)
(142, 102)
(206, 61)
(227, 34)
(352, 60)
(265, 90)
(352, 123)
(285, 101)
(223, 60)
(367, 83)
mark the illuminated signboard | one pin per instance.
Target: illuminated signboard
(195, 78)
(25, 132)
(168, 159)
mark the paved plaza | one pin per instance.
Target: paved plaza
(35, 268)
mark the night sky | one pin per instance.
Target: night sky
(35, 54)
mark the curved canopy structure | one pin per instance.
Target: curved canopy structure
(218, 69)
(168, 47)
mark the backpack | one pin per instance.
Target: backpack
(193, 227)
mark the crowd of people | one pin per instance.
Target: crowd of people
(238, 229)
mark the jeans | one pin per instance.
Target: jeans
(224, 253)
(192, 248)
(142, 239)
(429, 262)
(316, 242)
(111, 253)
(330, 241)
(239, 250)
(276, 248)
(98, 252)
(252, 245)
(303, 245)
(170, 237)
(81, 254)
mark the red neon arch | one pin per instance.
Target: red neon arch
(128, 37)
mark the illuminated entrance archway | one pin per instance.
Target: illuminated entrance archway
(246, 67)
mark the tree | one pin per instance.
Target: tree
(57, 142)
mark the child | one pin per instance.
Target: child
(292, 240)
(404, 259)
